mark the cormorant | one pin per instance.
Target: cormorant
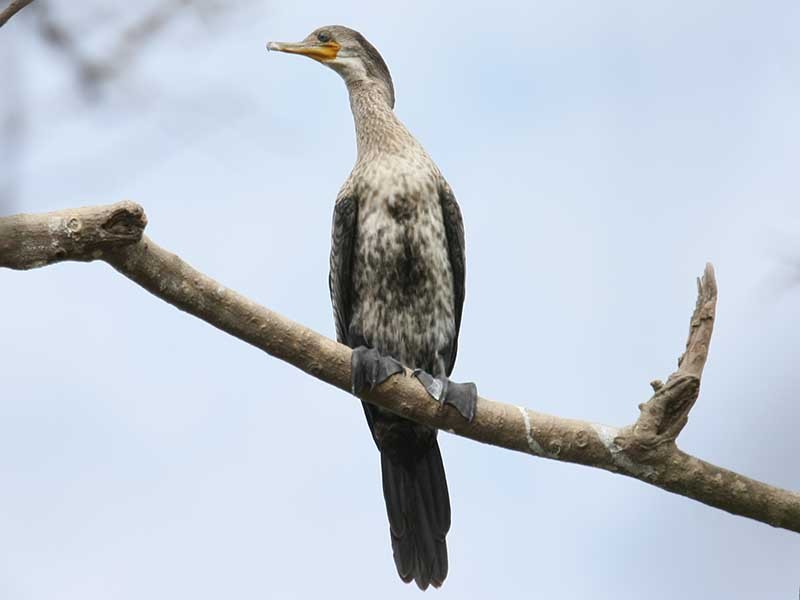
(397, 287)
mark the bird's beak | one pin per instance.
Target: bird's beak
(316, 50)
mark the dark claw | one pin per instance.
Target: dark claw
(436, 388)
(462, 396)
(369, 368)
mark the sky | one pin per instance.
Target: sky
(601, 154)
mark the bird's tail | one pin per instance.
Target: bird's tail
(418, 506)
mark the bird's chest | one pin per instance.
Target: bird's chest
(401, 250)
(401, 272)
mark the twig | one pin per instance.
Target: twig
(13, 8)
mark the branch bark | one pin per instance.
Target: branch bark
(645, 450)
(13, 8)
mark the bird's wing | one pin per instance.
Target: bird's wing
(454, 230)
(343, 238)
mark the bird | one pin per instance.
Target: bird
(397, 284)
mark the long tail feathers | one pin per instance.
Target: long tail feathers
(418, 506)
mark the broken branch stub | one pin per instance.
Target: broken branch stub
(82, 234)
(664, 416)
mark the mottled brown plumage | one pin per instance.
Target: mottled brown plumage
(397, 285)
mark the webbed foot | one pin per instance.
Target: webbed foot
(369, 368)
(462, 396)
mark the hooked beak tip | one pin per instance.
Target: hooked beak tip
(319, 52)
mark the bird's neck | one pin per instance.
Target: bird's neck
(378, 130)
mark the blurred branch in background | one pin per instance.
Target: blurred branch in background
(783, 253)
(94, 69)
(12, 128)
(97, 41)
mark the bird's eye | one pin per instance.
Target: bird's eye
(324, 37)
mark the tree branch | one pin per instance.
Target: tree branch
(645, 450)
(13, 8)
(94, 69)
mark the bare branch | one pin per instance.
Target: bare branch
(30, 241)
(664, 416)
(645, 451)
(13, 8)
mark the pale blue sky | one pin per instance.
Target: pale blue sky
(601, 152)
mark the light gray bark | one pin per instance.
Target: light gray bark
(645, 450)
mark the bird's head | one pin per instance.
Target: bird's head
(347, 52)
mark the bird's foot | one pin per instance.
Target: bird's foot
(462, 396)
(369, 368)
